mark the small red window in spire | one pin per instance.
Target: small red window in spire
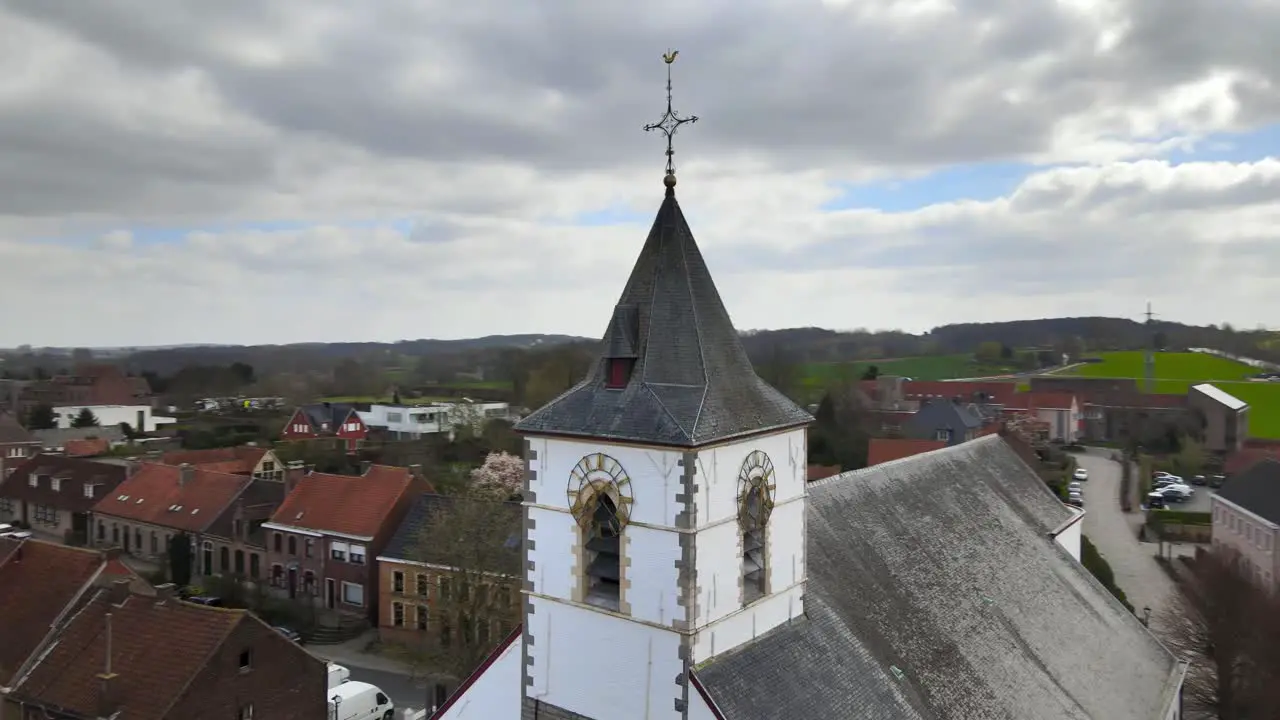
(619, 373)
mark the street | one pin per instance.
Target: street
(403, 690)
(1115, 535)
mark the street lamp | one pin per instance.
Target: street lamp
(337, 702)
(1146, 616)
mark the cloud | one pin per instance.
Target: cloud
(403, 169)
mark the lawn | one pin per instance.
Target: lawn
(1175, 373)
(930, 367)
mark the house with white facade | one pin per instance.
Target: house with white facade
(140, 417)
(411, 422)
(678, 565)
(1059, 411)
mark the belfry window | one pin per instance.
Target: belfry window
(603, 554)
(619, 373)
(755, 504)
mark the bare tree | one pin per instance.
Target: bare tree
(477, 598)
(1228, 629)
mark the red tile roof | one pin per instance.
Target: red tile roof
(1242, 460)
(818, 472)
(1031, 401)
(38, 581)
(88, 447)
(156, 495)
(882, 450)
(241, 459)
(998, 392)
(157, 649)
(346, 504)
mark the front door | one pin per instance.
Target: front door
(329, 592)
(293, 583)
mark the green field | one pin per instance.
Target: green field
(1175, 373)
(818, 376)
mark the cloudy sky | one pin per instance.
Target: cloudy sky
(295, 170)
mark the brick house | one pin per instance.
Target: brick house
(54, 495)
(158, 657)
(258, 462)
(88, 385)
(1246, 518)
(416, 581)
(1226, 417)
(339, 421)
(323, 539)
(40, 583)
(16, 444)
(222, 514)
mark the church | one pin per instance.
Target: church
(678, 566)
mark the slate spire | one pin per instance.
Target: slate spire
(672, 369)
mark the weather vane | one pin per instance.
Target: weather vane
(670, 121)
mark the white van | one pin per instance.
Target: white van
(355, 700)
(338, 675)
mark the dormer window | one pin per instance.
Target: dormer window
(619, 373)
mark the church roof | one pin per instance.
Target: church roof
(691, 383)
(936, 592)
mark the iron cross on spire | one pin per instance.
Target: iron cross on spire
(670, 121)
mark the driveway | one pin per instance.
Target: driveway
(1115, 535)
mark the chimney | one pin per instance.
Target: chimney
(131, 468)
(364, 467)
(118, 591)
(107, 703)
(291, 477)
(416, 470)
(185, 473)
(165, 591)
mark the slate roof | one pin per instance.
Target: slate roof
(157, 650)
(38, 581)
(1256, 489)
(935, 592)
(72, 473)
(346, 504)
(692, 382)
(407, 543)
(332, 414)
(12, 432)
(157, 496)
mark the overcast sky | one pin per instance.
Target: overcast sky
(305, 170)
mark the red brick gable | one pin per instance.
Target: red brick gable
(882, 450)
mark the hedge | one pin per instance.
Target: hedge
(1181, 517)
(1096, 564)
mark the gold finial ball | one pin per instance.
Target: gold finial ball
(669, 181)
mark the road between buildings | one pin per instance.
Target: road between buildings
(404, 691)
(1114, 534)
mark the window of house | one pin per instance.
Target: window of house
(310, 547)
(293, 545)
(394, 417)
(466, 630)
(942, 435)
(246, 712)
(253, 565)
(155, 543)
(34, 481)
(6, 506)
(357, 554)
(239, 562)
(309, 583)
(224, 559)
(484, 633)
(446, 589)
(277, 575)
(115, 534)
(397, 581)
(46, 514)
(55, 484)
(504, 596)
(422, 584)
(504, 628)
(90, 490)
(207, 553)
(102, 527)
(137, 539)
(464, 591)
(353, 594)
(397, 614)
(338, 551)
(246, 659)
(446, 632)
(422, 617)
(279, 540)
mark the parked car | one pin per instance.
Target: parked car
(289, 633)
(210, 600)
(353, 700)
(1155, 500)
(1076, 501)
(1080, 474)
(1075, 487)
(1199, 480)
(1216, 481)
(1161, 475)
(1176, 493)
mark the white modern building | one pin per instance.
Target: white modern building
(139, 417)
(410, 422)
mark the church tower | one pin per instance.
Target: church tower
(665, 498)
